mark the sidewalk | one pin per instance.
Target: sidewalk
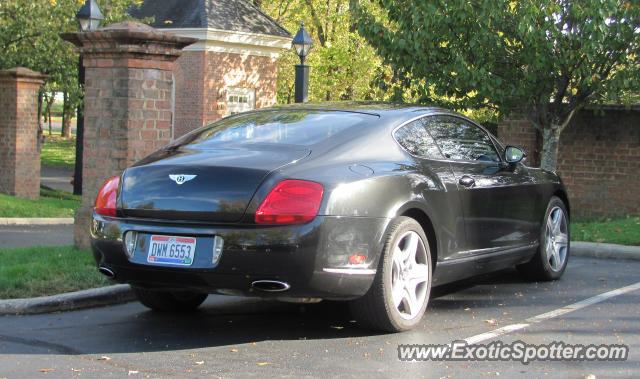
(58, 178)
(36, 235)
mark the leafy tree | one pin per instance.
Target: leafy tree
(29, 37)
(543, 58)
(343, 65)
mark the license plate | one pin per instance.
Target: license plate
(171, 250)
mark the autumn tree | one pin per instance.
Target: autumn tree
(543, 58)
(343, 65)
(29, 37)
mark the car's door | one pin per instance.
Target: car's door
(435, 183)
(497, 199)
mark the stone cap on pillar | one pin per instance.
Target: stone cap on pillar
(23, 75)
(127, 40)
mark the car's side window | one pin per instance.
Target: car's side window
(413, 137)
(461, 140)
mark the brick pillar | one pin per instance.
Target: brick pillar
(19, 154)
(127, 105)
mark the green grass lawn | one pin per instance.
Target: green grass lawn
(58, 151)
(621, 230)
(51, 204)
(43, 271)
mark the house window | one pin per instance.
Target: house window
(240, 100)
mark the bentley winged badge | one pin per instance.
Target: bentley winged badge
(180, 178)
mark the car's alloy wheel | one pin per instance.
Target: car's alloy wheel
(400, 291)
(551, 259)
(556, 239)
(410, 275)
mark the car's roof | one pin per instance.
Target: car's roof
(373, 124)
(369, 107)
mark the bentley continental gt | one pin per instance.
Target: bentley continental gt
(368, 203)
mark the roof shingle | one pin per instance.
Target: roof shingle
(233, 15)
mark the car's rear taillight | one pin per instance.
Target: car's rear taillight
(290, 202)
(106, 200)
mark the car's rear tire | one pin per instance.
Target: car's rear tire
(400, 291)
(169, 301)
(552, 256)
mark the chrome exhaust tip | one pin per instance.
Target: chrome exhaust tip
(270, 285)
(107, 272)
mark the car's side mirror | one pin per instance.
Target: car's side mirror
(513, 154)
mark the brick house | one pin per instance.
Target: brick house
(598, 157)
(232, 68)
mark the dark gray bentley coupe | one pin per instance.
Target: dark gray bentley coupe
(369, 203)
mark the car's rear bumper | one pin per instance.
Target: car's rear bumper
(313, 258)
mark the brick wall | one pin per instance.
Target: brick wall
(223, 70)
(598, 159)
(188, 73)
(202, 78)
(19, 154)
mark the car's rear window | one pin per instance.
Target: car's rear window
(275, 127)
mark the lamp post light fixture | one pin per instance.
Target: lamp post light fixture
(302, 43)
(89, 18)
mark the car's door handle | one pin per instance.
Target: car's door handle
(467, 181)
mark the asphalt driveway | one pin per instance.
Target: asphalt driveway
(237, 337)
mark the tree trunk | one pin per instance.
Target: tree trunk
(66, 116)
(550, 141)
(40, 133)
(40, 95)
(47, 110)
(49, 118)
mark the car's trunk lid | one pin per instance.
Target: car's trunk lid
(214, 185)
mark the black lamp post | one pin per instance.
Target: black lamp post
(89, 18)
(302, 42)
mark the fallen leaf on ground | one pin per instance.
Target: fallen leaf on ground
(199, 363)
(491, 321)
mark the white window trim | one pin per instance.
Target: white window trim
(249, 92)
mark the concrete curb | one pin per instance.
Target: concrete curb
(604, 251)
(36, 221)
(116, 294)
